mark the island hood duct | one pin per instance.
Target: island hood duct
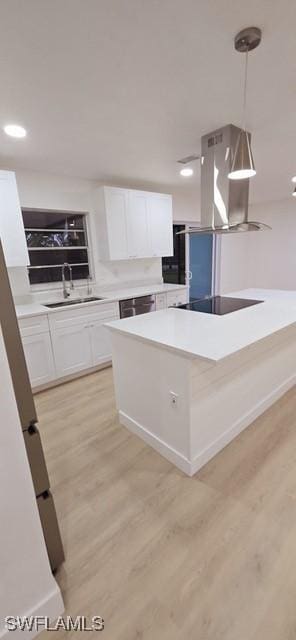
(224, 202)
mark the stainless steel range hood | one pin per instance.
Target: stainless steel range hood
(224, 202)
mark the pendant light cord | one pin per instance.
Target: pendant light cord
(245, 93)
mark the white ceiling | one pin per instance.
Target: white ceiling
(118, 90)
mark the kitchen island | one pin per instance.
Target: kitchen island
(188, 383)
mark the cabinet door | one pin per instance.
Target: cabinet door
(160, 223)
(12, 232)
(101, 341)
(137, 227)
(39, 358)
(161, 301)
(72, 349)
(116, 203)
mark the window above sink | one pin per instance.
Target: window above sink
(53, 238)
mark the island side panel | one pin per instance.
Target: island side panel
(144, 377)
(230, 395)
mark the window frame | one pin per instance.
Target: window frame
(45, 286)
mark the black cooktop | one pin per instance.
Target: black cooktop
(219, 305)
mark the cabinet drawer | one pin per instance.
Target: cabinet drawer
(34, 324)
(72, 317)
(174, 298)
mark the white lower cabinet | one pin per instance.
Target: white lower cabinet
(160, 301)
(72, 349)
(63, 343)
(39, 358)
(79, 338)
(100, 341)
(81, 347)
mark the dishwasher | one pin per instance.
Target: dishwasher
(137, 306)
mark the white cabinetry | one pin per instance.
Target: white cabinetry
(68, 341)
(113, 214)
(160, 225)
(160, 301)
(38, 349)
(39, 358)
(137, 225)
(12, 232)
(133, 224)
(100, 341)
(72, 351)
(80, 341)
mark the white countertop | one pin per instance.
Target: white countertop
(213, 337)
(111, 295)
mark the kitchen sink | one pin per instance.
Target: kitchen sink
(67, 303)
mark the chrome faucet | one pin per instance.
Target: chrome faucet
(66, 293)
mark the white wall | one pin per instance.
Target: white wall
(262, 259)
(186, 204)
(27, 586)
(234, 260)
(272, 254)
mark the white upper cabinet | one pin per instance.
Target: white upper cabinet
(115, 207)
(137, 225)
(12, 232)
(133, 224)
(160, 225)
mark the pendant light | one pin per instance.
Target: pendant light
(243, 164)
(294, 193)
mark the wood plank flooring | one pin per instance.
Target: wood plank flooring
(162, 556)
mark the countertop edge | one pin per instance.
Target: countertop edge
(161, 345)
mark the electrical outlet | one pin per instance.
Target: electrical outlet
(174, 398)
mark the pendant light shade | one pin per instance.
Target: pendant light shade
(243, 163)
(294, 193)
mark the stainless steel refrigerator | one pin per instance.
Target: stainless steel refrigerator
(28, 419)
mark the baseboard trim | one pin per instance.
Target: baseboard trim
(245, 421)
(190, 467)
(156, 443)
(52, 606)
(74, 376)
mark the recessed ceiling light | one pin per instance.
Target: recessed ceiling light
(186, 172)
(293, 179)
(15, 130)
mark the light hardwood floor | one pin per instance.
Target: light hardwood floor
(162, 556)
